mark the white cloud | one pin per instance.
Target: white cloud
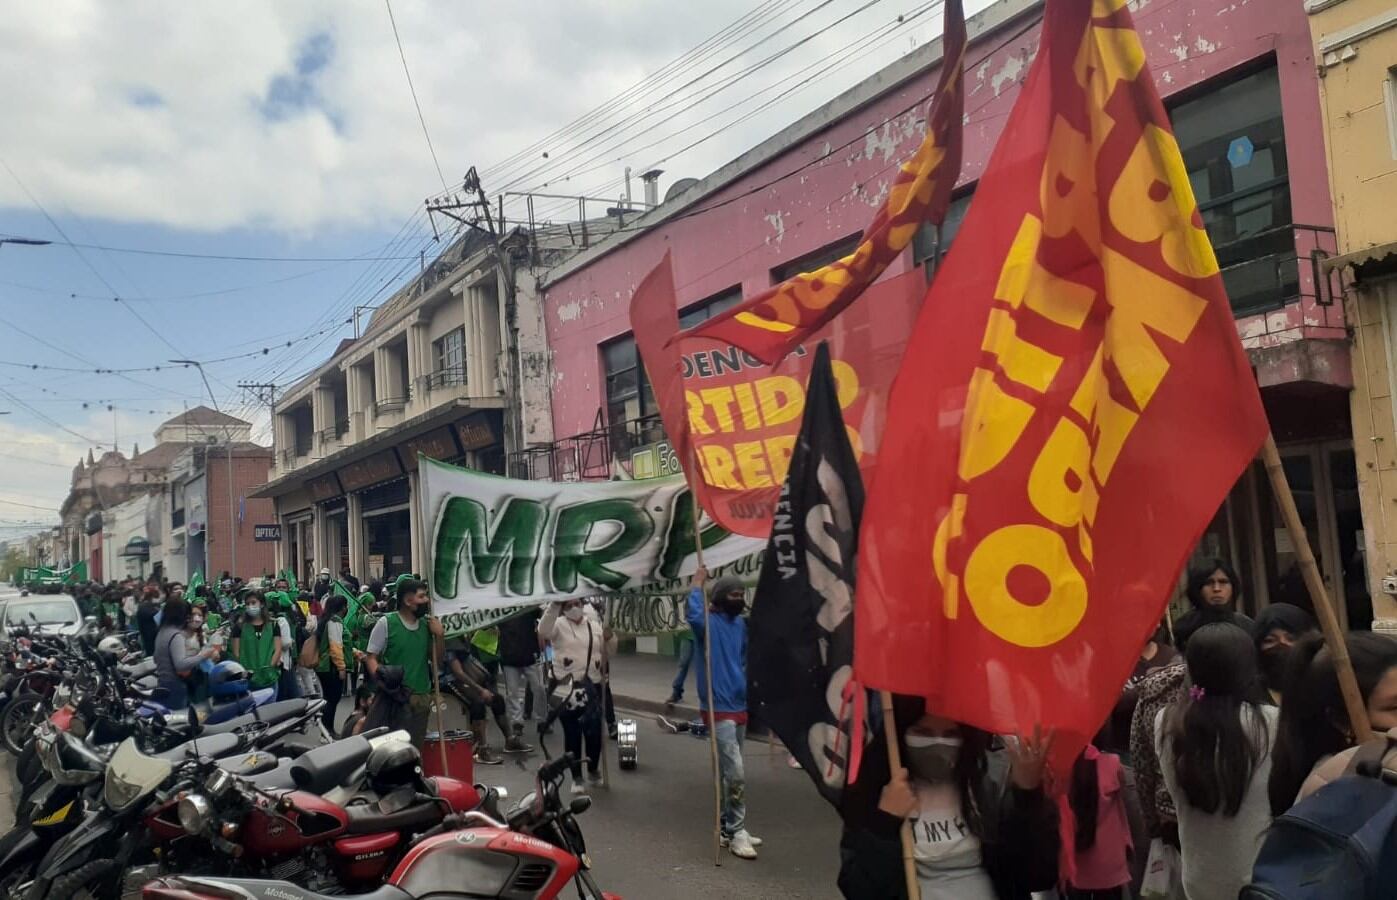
(296, 116)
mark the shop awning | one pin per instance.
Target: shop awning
(1371, 262)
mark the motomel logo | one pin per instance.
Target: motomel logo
(279, 894)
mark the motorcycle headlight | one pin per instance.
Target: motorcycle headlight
(218, 782)
(120, 793)
(195, 812)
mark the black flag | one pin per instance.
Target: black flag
(801, 651)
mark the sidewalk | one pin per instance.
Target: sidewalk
(641, 682)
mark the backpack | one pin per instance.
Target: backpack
(310, 651)
(1341, 841)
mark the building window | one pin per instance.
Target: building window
(930, 243)
(1233, 143)
(449, 351)
(631, 412)
(815, 260)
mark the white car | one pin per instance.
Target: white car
(55, 613)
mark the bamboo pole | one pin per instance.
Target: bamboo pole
(708, 675)
(1324, 609)
(605, 690)
(909, 861)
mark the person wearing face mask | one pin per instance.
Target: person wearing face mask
(175, 662)
(982, 825)
(399, 639)
(722, 635)
(1278, 627)
(578, 640)
(257, 643)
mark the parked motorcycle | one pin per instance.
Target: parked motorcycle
(537, 853)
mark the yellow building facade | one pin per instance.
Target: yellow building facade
(1356, 53)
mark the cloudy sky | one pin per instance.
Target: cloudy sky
(286, 132)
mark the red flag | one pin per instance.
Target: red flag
(739, 418)
(773, 323)
(1072, 408)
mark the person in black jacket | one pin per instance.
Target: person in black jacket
(982, 825)
(523, 673)
(1216, 594)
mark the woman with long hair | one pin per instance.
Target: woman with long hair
(1314, 722)
(330, 668)
(982, 826)
(1214, 746)
(1216, 594)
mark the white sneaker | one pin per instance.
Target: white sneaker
(577, 789)
(742, 846)
(724, 840)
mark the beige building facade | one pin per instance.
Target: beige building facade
(1356, 55)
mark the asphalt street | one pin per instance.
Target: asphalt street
(650, 834)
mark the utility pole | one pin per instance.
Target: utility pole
(452, 209)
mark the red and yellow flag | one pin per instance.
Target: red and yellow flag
(1072, 408)
(772, 324)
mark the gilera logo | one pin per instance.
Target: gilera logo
(358, 857)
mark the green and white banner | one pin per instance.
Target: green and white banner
(498, 542)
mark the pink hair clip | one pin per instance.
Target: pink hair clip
(1196, 693)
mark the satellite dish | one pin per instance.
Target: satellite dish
(679, 187)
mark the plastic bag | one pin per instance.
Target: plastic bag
(1163, 873)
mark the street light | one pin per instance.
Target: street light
(232, 528)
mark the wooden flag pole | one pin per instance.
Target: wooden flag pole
(440, 707)
(605, 690)
(708, 675)
(1324, 610)
(909, 861)
(436, 655)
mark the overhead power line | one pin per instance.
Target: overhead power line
(413, 91)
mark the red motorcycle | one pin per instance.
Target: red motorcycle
(336, 819)
(468, 855)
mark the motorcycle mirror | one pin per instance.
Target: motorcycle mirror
(580, 805)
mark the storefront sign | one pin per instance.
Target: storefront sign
(498, 541)
(326, 487)
(370, 470)
(437, 444)
(654, 461)
(266, 532)
(476, 432)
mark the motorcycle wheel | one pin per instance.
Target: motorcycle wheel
(17, 722)
(97, 880)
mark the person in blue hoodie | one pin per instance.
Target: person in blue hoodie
(727, 715)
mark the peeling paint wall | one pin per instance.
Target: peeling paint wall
(764, 219)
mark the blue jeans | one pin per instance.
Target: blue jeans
(288, 687)
(734, 782)
(686, 657)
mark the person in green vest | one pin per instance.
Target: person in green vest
(257, 643)
(399, 639)
(358, 622)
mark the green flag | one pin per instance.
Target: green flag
(290, 577)
(196, 582)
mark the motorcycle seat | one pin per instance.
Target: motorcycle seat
(248, 764)
(271, 713)
(138, 669)
(216, 746)
(278, 779)
(323, 768)
(423, 812)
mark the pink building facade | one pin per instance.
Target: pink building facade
(1239, 79)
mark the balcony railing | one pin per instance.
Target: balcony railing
(455, 376)
(1268, 269)
(587, 456)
